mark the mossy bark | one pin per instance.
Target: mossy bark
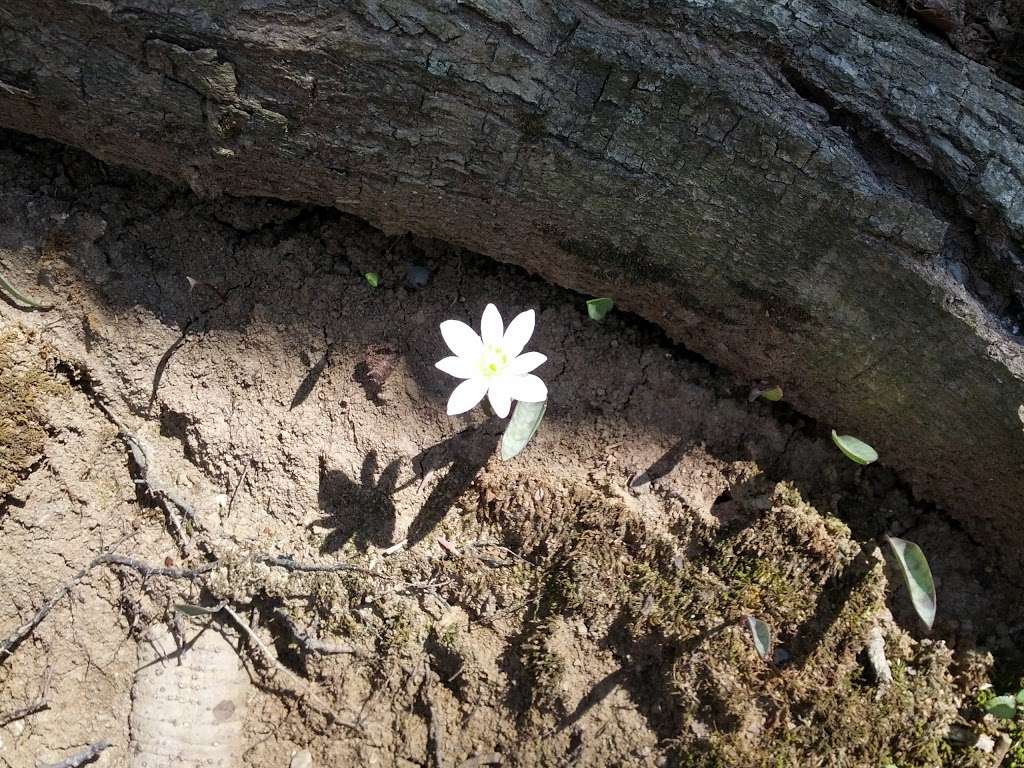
(811, 191)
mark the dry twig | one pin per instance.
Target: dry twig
(14, 640)
(314, 644)
(86, 756)
(304, 688)
(21, 714)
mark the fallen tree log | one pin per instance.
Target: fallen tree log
(811, 191)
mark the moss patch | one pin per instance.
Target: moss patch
(669, 602)
(24, 382)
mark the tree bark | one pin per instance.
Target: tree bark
(810, 191)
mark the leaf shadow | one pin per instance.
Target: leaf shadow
(309, 381)
(665, 464)
(465, 454)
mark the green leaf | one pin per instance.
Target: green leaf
(772, 394)
(1003, 707)
(762, 635)
(918, 577)
(1020, 696)
(196, 610)
(854, 449)
(18, 296)
(598, 308)
(373, 279)
(521, 428)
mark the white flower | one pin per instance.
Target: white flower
(491, 364)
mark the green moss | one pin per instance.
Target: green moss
(399, 631)
(596, 560)
(543, 665)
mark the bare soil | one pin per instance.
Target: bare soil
(990, 32)
(583, 604)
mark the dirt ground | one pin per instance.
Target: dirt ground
(394, 594)
(989, 31)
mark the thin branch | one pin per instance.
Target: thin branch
(169, 500)
(113, 559)
(88, 755)
(151, 570)
(314, 644)
(14, 640)
(304, 687)
(173, 504)
(234, 493)
(21, 714)
(292, 565)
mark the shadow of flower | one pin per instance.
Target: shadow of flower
(362, 512)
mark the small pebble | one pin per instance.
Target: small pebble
(417, 276)
(301, 759)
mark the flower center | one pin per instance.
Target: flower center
(493, 360)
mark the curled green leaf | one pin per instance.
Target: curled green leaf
(373, 279)
(521, 428)
(598, 308)
(772, 394)
(20, 297)
(1003, 707)
(918, 577)
(854, 449)
(762, 637)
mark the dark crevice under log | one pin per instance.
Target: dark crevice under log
(807, 191)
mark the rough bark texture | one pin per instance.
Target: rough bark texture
(810, 191)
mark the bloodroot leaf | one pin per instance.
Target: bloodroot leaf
(918, 577)
(1003, 707)
(196, 610)
(762, 635)
(598, 308)
(20, 297)
(521, 428)
(854, 449)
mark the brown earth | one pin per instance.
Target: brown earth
(544, 611)
(990, 32)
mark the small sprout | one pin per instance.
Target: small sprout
(373, 279)
(521, 428)
(854, 449)
(772, 394)
(918, 577)
(598, 308)
(490, 363)
(18, 296)
(1003, 707)
(762, 636)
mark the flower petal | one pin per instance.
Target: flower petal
(501, 399)
(491, 327)
(461, 339)
(526, 363)
(518, 333)
(467, 395)
(458, 367)
(528, 388)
